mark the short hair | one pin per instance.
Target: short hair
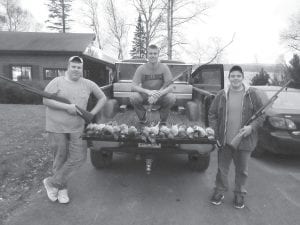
(75, 59)
(236, 68)
(153, 47)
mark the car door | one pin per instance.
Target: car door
(207, 80)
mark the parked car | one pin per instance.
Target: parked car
(280, 132)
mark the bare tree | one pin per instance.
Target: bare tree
(212, 52)
(279, 76)
(15, 18)
(152, 13)
(180, 12)
(92, 19)
(291, 36)
(117, 26)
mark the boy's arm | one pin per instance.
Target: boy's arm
(136, 81)
(52, 88)
(71, 108)
(258, 103)
(213, 114)
(99, 94)
(167, 78)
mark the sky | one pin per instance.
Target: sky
(257, 25)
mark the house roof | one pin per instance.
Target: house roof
(47, 42)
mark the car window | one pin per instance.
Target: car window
(127, 70)
(285, 100)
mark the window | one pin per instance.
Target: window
(21, 73)
(50, 73)
(209, 78)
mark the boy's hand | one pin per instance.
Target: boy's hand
(156, 94)
(246, 130)
(71, 109)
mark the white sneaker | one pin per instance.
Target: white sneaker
(51, 191)
(63, 196)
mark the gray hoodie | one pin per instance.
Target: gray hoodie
(217, 116)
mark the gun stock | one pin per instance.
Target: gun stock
(239, 137)
(87, 116)
(235, 142)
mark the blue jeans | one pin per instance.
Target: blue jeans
(70, 153)
(166, 102)
(240, 160)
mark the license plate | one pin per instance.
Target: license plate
(147, 145)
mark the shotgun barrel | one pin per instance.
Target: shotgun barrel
(84, 114)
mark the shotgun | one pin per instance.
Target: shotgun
(167, 84)
(238, 138)
(87, 116)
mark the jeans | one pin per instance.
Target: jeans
(240, 160)
(166, 102)
(70, 152)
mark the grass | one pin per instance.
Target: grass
(24, 157)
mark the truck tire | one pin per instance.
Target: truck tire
(100, 159)
(192, 111)
(198, 162)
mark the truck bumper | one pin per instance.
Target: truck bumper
(155, 149)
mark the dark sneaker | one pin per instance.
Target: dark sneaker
(217, 198)
(239, 202)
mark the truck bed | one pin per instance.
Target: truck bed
(130, 118)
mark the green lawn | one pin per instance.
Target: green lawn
(24, 157)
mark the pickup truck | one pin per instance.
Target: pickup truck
(194, 91)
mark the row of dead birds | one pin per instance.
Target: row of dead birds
(149, 133)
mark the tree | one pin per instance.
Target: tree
(117, 27)
(178, 13)
(2, 22)
(139, 42)
(279, 76)
(91, 15)
(210, 52)
(152, 13)
(293, 71)
(15, 18)
(59, 13)
(262, 78)
(291, 35)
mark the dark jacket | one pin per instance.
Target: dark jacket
(218, 116)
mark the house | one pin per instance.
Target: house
(43, 56)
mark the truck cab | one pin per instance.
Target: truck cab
(194, 91)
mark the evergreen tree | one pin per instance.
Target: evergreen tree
(139, 41)
(58, 15)
(262, 78)
(293, 71)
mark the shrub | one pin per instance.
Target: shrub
(262, 78)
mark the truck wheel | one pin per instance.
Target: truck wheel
(100, 159)
(199, 162)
